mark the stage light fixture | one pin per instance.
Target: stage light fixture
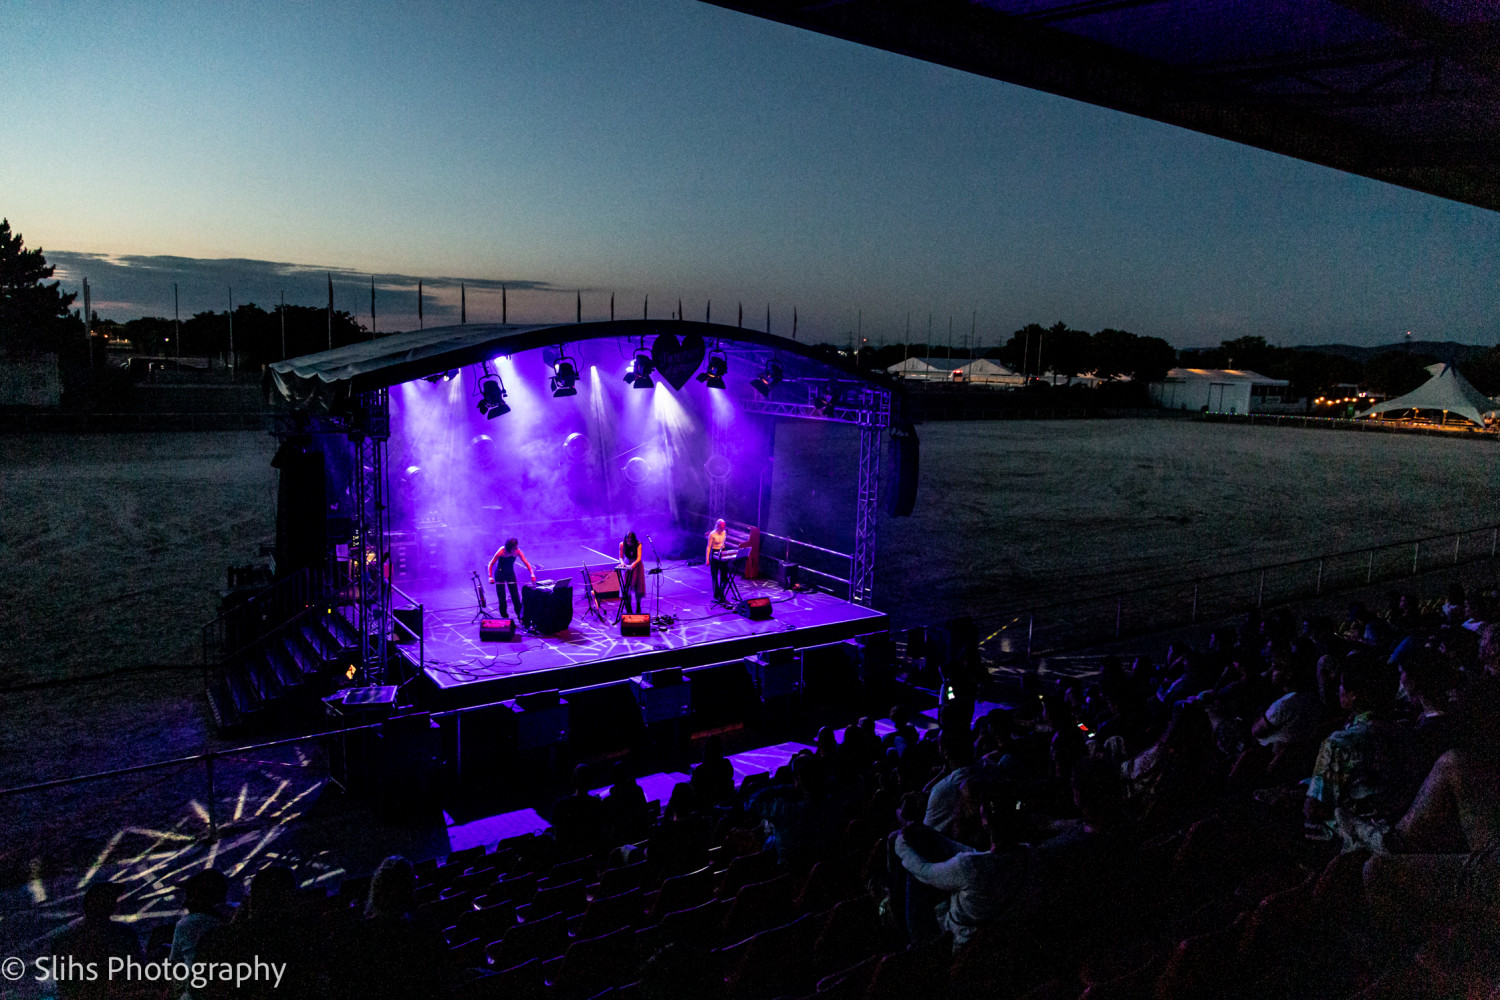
(447, 376)
(825, 399)
(768, 377)
(641, 368)
(714, 372)
(564, 374)
(492, 397)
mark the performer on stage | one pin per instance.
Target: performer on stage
(502, 570)
(713, 558)
(633, 578)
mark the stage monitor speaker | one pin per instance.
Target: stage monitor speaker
(776, 678)
(906, 457)
(411, 624)
(635, 625)
(755, 608)
(542, 720)
(497, 630)
(548, 607)
(661, 700)
(364, 704)
(606, 582)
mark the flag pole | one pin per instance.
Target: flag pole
(231, 333)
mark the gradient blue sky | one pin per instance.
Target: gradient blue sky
(677, 150)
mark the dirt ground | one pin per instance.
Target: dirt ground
(1016, 513)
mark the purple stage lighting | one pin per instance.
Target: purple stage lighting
(564, 374)
(714, 372)
(447, 376)
(641, 368)
(826, 398)
(492, 397)
(770, 376)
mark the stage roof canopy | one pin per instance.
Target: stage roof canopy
(315, 382)
(1404, 91)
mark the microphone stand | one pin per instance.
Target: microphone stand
(483, 609)
(657, 619)
(590, 596)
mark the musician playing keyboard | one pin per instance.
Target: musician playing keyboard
(714, 558)
(632, 575)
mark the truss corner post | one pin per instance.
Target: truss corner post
(369, 433)
(874, 419)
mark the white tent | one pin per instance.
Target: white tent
(1447, 392)
(985, 370)
(916, 368)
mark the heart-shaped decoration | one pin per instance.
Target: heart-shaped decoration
(676, 360)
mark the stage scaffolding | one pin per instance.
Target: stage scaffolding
(868, 408)
(369, 434)
(343, 391)
(365, 423)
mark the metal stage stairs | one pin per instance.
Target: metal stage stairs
(290, 669)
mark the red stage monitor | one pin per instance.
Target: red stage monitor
(755, 608)
(637, 625)
(497, 630)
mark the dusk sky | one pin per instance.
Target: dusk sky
(675, 150)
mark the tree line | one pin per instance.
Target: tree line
(258, 335)
(1036, 350)
(1394, 371)
(36, 315)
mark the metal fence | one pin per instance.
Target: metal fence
(1094, 620)
(1348, 424)
(93, 423)
(805, 553)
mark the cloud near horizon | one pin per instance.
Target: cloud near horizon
(127, 286)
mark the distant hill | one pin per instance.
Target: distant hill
(1446, 351)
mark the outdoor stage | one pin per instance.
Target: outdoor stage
(462, 670)
(424, 452)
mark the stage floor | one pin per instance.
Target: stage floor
(461, 670)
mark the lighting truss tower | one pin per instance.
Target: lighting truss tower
(369, 431)
(874, 419)
(868, 408)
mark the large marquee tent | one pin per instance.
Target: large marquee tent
(1447, 392)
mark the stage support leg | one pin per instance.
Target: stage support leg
(368, 433)
(873, 423)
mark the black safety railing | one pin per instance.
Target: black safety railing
(795, 551)
(402, 631)
(1026, 632)
(239, 628)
